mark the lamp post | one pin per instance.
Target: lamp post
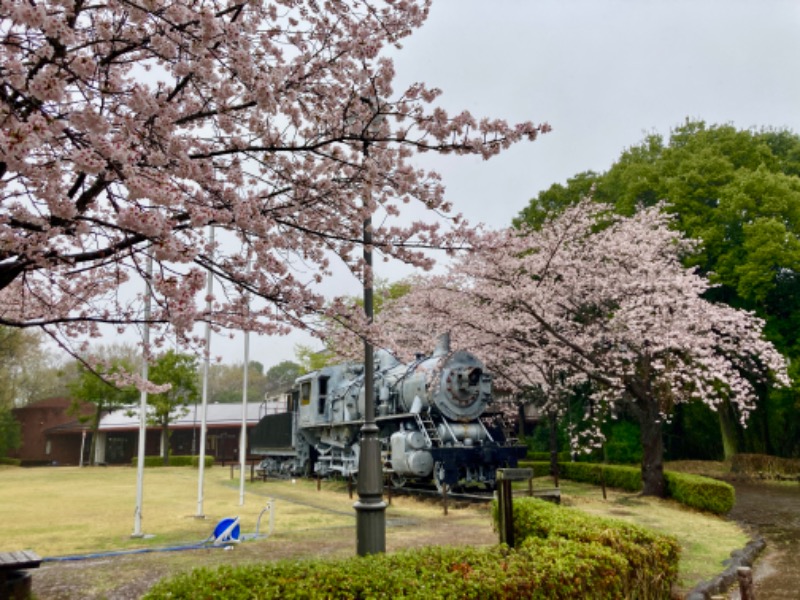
(370, 508)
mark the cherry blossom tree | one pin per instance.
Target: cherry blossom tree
(598, 299)
(126, 129)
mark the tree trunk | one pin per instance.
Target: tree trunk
(165, 444)
(652, 448)
(553, 443)
(95, 429)
(727, 425)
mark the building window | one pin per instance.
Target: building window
(48, 446)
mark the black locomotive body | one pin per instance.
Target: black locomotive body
(433, 416)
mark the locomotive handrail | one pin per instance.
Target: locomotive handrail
(449, 429)
(486, 430)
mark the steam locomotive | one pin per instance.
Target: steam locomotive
(433, 415)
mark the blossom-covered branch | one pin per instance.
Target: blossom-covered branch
(127, 128)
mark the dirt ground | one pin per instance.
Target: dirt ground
(128, 577)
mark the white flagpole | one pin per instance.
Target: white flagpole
(243, 434)
(137, 515)
(204, 406)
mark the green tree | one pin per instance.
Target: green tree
(9, 431)
(312, 360)
(280, 377)
(738, 192)
(179, 371)
(98, 387)
(19, 349)
(226, 382)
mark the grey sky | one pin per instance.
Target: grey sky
(602, 73)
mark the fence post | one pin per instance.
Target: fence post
(505, 501)
(745, 575)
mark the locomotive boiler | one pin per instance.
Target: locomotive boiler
(433, 415)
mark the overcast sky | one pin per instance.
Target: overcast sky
(602, 73)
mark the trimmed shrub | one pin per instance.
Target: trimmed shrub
(559, 568)
(765, 466)
(14, 462)
(624, 478)
(174, 461)
(650, 559)
(700, 492)
(540, 469)
(545, 457)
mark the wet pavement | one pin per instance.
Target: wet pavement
(773, 511)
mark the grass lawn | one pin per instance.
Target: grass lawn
(58, 511)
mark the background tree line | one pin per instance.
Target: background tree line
(738, 192)
(30, 372)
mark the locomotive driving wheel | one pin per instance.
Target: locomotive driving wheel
(439, 475)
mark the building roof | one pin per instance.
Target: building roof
(217, 415)
(54, 402)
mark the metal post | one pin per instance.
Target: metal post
(370, 507)
(243, 434)
(204, 406)
(137, 513)
(505, 501)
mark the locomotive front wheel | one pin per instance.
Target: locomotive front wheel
(439, 474)
(398, 481)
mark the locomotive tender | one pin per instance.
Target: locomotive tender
(431, 413)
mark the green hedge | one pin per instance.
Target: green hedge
(650, 560)
(562, 554)
(702, 493)
(539, 569)
(5, 460)
(174, 461)
(545, 456)
(766, 466)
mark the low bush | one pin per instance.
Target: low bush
(616, 476)
(650, 559)
(545, 456)
(702, 493)
(540, 469)
(763, 465)
(14, 462)
(174, 461)
(558, 568)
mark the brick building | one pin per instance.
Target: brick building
(50, 435)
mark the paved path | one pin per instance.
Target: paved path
(774, 511)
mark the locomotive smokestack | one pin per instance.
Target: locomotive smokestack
(442, 345)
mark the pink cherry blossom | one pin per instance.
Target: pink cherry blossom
(128, 128)
(610, 306)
